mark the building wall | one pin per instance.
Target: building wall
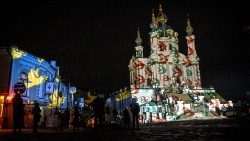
(5, 66)
(36, 73)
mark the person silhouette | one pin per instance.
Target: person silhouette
(76, 118)
(99, 111)
(135, 112)
(18, 112)
(67, 117)
(126, 119)
(107, 115)
(36, 117)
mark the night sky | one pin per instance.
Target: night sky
(93, 41)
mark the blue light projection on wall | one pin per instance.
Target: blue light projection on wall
(34, 72)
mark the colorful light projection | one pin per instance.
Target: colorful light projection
(90, 98)
(123, 94)
(165, 65)
(36, 73)
(56, 99)
(35, 79)
(143, 96)
(16, 53)
(31, 66)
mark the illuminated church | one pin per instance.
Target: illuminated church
(167, 83)
(166, 67)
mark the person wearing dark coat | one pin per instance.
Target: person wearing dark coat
(99, 111)
(135, 111)
(76, 118)
(126, 119)
(36, 117)
(67, 117)
(18, 112)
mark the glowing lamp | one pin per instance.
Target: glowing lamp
(72, 90)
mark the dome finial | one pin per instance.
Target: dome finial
(153, 16)
(153, 23)
(160, 10)
(162, 18)
(189, 28)
(138, 40)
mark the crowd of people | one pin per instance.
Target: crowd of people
(96, 115)
(131, 116)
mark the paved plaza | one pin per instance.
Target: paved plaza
(196, 130)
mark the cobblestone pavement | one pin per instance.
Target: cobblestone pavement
(196, 130)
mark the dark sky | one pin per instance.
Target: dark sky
(93, 41)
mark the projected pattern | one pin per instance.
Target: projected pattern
(34, 72)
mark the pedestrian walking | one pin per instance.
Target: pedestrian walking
(126, 120)
(18, 112)
(61, 120)
(99, 111)
(130, 117)
(66, 117)
(107, 115)
(36, 111)
(76, 119)
(135, 112)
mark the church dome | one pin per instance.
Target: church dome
(161, 18)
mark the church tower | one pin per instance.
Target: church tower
(139, 47)
(165, 61)
(192, 55)
(193, 71)
(137, 65)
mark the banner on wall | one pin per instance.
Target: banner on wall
(49, 87)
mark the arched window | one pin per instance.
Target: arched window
(170, 47)
(149, 83)
(25, 79)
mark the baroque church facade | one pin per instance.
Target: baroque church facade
(166, 68)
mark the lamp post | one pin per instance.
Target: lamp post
(58, 90)
(117, 99)
(121, 96)
(72, 90)
(120, 102)
(155, 86)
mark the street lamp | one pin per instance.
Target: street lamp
(155, 86)
(117, 99)
(58, 90)
(72, 90)
(121, 98)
